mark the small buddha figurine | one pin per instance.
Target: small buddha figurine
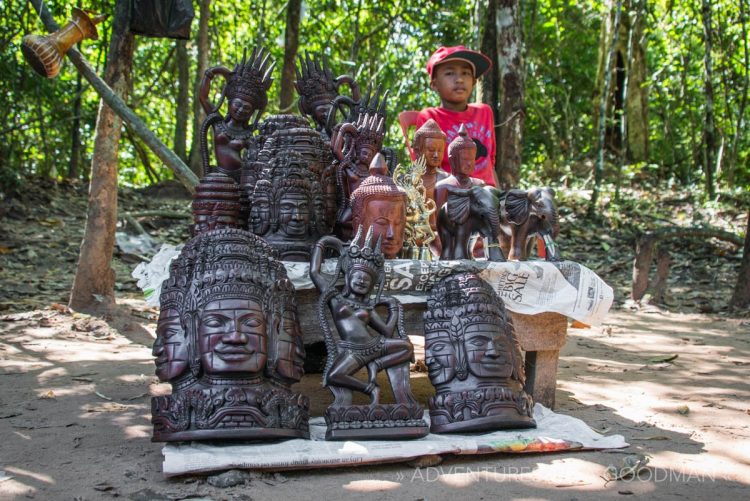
(473, 359)
(462, 153)
(246, 93)
(429, 143)
(366, 339)
(354, 145)
(244, 351)
(319, 92)
(379, 203)
(216, 204)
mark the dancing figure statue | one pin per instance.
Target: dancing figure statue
(246, 91)
(419, 234)
(366, 339)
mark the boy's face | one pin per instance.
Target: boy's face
(453, 81)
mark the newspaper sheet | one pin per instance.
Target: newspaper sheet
(528, 287)
(554, 432)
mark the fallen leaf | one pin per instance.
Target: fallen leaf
(49, 394)
(684, 410)
(661, 359)
(105, 397)
(625, 493)
(136, 397)
(652, 437)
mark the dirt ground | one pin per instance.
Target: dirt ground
(74, 417)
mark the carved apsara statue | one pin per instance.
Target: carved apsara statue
(378, 203)
(229, 342)
(245, 90)
(473, 359)
(363, 338)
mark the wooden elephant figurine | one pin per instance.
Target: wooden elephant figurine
(468, 211)
(525, 214)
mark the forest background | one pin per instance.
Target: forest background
(670, 80)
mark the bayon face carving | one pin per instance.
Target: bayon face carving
(473, 359)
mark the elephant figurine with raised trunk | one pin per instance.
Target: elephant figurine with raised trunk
(468, 211)
(525, 214)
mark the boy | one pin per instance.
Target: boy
(453, 73)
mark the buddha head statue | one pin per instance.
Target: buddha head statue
(216, 204)
(472, 353)
(379, 203)
(462, 153)
(429, 142)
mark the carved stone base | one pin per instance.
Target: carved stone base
(484, 409)
(375, 422)
(254, 412)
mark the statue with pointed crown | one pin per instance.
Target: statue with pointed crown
(365, 339)
(246, 91)
(419, 210)
(319, 92)
(473, 359)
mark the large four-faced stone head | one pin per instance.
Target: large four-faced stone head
(379, 203)
(171, 346)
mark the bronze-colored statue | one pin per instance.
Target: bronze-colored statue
(365, 340)
(524, 215)
(319, 95)
(216, 204)
(473, 359)
(246, 93)
(418, 234)
(379, 203)
(45, 53)
(237, 337)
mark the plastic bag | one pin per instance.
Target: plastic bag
(151, 275)
(162, 18)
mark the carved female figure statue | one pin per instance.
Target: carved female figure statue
(366, 340)
(378, 203)
(245, 90)
(473, 359)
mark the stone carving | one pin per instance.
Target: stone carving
(216, 204)
(245, 90)
(418, 233)
(524, 215)
(365, 340)
(473, 359)
(379, 203)
(319, 93)
(236, 347)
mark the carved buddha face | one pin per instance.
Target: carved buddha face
(365, 154)
(440, 357)
(232, 336)
(170, 347)
(462, 162)
(387, 216)
(433, 150)
(294, 214)
(240, 110)
(360, 281)
(260, 215)
(487, 350)
(290, 351)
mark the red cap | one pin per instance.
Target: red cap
(477, 60)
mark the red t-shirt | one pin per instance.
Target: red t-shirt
(480, 123)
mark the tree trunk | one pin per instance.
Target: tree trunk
(488, 90)
(75, 133)
(606, 57)
(183, 101)
(198, 114)
(741, 295)
(93, 285)
(709, 128)
(510, 73)
(636, 102)
(291, 44)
